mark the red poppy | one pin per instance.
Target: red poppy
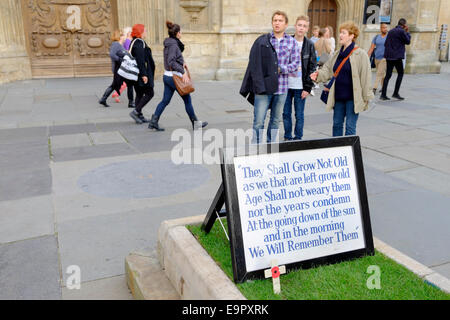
(275, 272)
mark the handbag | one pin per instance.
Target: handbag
(326, 90)
(372, 56)
(183, 88)
(372, 60)
(128, 68)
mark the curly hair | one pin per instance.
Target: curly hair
(351, 27)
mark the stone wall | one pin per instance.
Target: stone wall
(14, 60)
(219, 33)
(444, 18)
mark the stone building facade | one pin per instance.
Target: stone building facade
(70, 38)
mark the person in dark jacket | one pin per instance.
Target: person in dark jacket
(394, 53)
(145, 83)
(300, 83)
(116, 53)
(174, 64)
(272, 58)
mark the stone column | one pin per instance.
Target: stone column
(14, 59)
(422, 54)
(242, 23)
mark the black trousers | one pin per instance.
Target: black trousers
(130, 89)
(143, 96)
(390, 64)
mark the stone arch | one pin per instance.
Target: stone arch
(343, 6)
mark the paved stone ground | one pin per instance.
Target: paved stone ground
(83, 185)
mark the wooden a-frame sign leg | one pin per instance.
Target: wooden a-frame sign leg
(215, 209)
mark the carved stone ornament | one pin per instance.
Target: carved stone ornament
(194, 7)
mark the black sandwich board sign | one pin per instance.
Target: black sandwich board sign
(303, 203)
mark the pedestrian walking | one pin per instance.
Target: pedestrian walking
(323, 48)
(127, 84)
(273, 57)
(394, 53)
(300, 84)
(174, 64)
(145, 83)
(116, 52)
(352, 89)
(377, 47)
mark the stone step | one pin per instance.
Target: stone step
(146, 278)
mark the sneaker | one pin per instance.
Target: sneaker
(384, 98)
(135, 116)
(374, 91)
(397, 96)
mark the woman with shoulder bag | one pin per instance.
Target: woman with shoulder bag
(174, 65)
(351, 90)
(144, 59)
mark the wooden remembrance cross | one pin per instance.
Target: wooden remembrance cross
(251, 256)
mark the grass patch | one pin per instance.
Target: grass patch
(342, 281)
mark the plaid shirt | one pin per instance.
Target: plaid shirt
(288, 59)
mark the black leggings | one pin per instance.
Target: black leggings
(390, 64)
(143, 96)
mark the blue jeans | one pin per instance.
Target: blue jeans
(299, 106)
(274, 102)
(169, 89)
(342, 110)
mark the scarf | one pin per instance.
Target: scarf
(180, 44)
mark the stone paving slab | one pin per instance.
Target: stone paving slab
(443, 269)
(91, 152)
(378, 182)
(70, 141)
(26, 218)
(57, 130)
(25, 183)
(26, 155)
(440, 128)
(71, 202)
(114, 288)
(385, 162)
(99, 245)
(425, 178)
(376, 142)
(9, 136)
(407, 220)
(422, 156)
(106, 137)
(30, 270)
(412, 135)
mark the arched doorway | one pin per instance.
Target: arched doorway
(322, 13)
